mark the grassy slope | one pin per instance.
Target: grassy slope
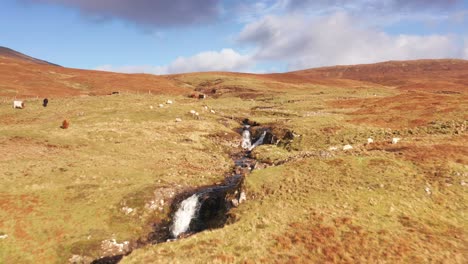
(64, 189)
(368, 204)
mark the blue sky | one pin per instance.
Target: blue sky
(175, 36)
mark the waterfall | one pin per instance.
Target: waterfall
(184, 215)
(259, 141)
(246, 142)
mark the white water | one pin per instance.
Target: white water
(259, 141)
(246, 142)
(184, 215)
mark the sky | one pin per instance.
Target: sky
(262, 36)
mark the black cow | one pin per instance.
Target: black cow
(45, 102)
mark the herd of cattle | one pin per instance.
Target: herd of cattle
(20, 104)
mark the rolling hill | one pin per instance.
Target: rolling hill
(25, 77)
(110, 183)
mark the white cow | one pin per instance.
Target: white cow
(395, 140)
(370, 141)
(18, 104)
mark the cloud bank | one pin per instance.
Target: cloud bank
(224, 60)
(337, 39)
(145, 12)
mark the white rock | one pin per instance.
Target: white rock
(428, 190)
(127, 210)
(395, 140)
(242, 197)
(347, 147)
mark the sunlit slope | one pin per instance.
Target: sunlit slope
(25, 79)
(66, 191)
(378, 202)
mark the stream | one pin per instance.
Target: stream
(207, 207)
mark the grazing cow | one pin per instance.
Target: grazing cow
(169, 102)
(45, 102)
(18, 104)
(370, 141)
(65, 124)
(395, 140)
(201, 96)
(161, 105)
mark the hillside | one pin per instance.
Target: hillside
(24, 77)
(429, 75)
(12, 54)
(112, 181)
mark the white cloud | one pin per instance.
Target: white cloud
(224, 60)
(305, 42)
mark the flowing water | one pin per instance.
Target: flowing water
(208, 207)
(187, 211)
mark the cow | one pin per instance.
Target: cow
(45, 102)
(65, 124)
(18, 104)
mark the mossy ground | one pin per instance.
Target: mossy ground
(63, 190)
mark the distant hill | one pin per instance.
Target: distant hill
(24, 76)
(434, 74)
(9, 53)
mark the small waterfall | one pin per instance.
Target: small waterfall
(188, 210)
(246, 141)
(259, 141)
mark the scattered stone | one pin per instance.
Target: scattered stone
(235, 202)
(428, 190)
(242, 197)
(111, 247)
(78, 259)
(127, 210)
